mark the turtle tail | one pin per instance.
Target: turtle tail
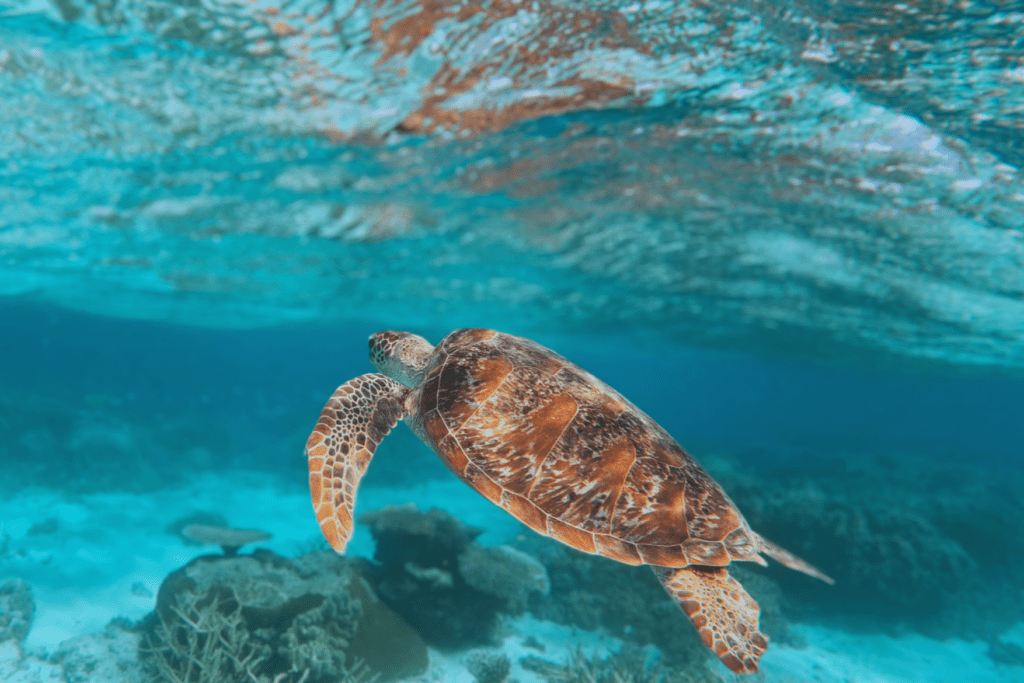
(788, 559)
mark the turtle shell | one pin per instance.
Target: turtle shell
(570, 457)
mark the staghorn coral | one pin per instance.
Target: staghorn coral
(263, 618)
(205, 641)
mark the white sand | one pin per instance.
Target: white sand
(875, 658)
(111, 552)
(559, 643)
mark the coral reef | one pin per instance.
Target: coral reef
(631, 665)
(430, 570)
(452, 590)
(263, 617)
(206, 642)
(416, 572)
(890, 554)
(488, 667)
(431, 533)
(107, 657)
(593, 592)
(504, 572)
(110, 656)
(943, 563)
(17, 608)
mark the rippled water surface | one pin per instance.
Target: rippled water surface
(842, 176)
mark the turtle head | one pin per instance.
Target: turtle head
(401, 356)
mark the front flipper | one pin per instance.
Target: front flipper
(724, 614)
(354, 421)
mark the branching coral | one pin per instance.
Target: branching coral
(205, 641)
(266, 619)
(209, 642)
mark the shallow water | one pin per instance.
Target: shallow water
(792, 234)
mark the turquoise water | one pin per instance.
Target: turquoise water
(792, 234)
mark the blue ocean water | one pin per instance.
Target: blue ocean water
(791, 233)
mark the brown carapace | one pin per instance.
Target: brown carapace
(563, 453)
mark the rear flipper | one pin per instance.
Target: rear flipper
(790, 560)
(725, 615)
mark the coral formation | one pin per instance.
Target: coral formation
(894, 546)
(489, 667)
(107, 657)
(429, 568)
(197, 517)
(434, 531)
(17, 608)
(504, 572)
(205, 642)
(416, 572)
(110, 656)
(593, 592)
(452, 590)
(630, 665)
(266, 618)
(886, 552)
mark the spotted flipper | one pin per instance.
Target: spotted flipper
(724, 614)
(354, 421)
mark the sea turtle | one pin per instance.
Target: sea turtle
(563, 453)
